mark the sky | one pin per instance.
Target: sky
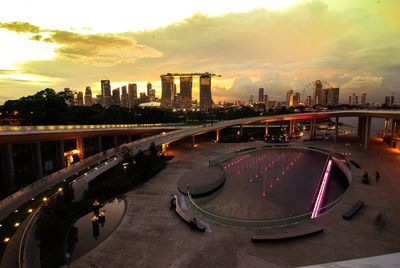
(275, 44)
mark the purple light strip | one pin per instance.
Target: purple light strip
(322, 190)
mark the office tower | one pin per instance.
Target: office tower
(205, 92)
(88, 96)
(261, 95)
(124, 97)
(322, 96)
(106, 92)
(272, 103)
(389, 100)
(143, 97)
(363, 99)
(132, 95)
(69, 96)
(116, 98)
(308, 101)
(296, 99)
(289, 98)
(167, 91)
(317, 92)
(354, 99)
(333, 96)
(251, 100)
(149, 87)
(186, 92)
(356, 102)
(152, 95)
(350, 100)
(266, 100)
(99, 99)
(79, 98)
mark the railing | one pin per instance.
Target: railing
(259, 224)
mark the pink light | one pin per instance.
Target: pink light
(322, 190)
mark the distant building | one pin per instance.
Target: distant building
(266, 100)
(317, 92)
(308, 101)
(289, 98)
(364, 99)
(116, 97)
(389, 100)
(124, 97)
(152, 95)
(69, 96)
(149, 87)
(272, 104)
(88, 96)
(261, 95)
(296, 99)
(132, 95)
(186, 92)
(143, 98)
(106, 93)
(353, 99)
(79, 98)
(99, 99)
(205, 92)
(167, 91)
(332, 96)
(251, 100)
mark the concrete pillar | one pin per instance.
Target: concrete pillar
(217, 135)
(385, 127)
(367, 131)
(394, 128)
(194, 141)
(36, 156)
(99, 144)
(266, 129)
(336, 128)
(241, 130)
(7, 168)
(80, 147)
(60, 154)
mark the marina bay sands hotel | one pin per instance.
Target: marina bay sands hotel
(171, 99)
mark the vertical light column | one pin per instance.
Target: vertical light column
(217, 135)
(266, 129)
(80, 147)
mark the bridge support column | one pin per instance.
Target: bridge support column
(361, 129)
(36, 156)
(217, 133)
(80, 147)
(367, 131)
(336, 128)
(313, 128)
(385, 127)
(7, 168)
(394, 128)
(99, 144)
(60, 154)
(241, 130)
(266, 130)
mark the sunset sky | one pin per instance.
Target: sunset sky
(277, 44)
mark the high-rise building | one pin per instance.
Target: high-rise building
(124, 97)
(116, 97)
(88, 96)
(99, 99)
(332, 96)
(350, 100)
(132, 95)
(308, 101)
(149, 87)
(296, 99)
(261, 95)
(389, 100)
(186, 92)
(152, 94)
(69, 96)
(289, 98)
(167, 91)
(79, 98)
(205, 92)
(143, 98)
(363, 99)
(106, 92)
(266, 100)
(317, 92)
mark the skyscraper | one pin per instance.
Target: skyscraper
(79, 98)
(132, 95)
(332, 96)
(186, 92)
(106, 92)
(289, 98)
(149, 87)
(266, 100)
(261, 95)
(88, 96)
(167, 91)
(389, 100)
(116, 98)
(308, 101)
(152, 95)
(124, 97)
(296, 99)
(317, 91)
(363, 99)
(205, 92)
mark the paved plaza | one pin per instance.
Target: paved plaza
(151, 235)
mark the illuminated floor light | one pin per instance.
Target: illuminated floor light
(16, 224)
(322, 190)
(6, 240)
(30, 210)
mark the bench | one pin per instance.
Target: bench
(311, 230)
(193, 223)
(353, 210)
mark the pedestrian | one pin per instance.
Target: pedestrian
(377, 176)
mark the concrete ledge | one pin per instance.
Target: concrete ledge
(202, 181)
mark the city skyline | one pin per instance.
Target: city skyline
(348, 44)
